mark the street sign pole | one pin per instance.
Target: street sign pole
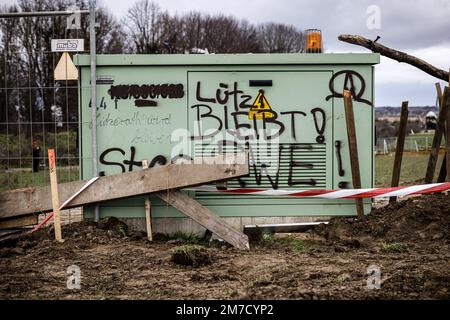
(93, 95)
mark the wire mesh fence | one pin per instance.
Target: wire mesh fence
(413, 143)
(36, 112)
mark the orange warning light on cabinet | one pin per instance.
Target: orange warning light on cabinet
(313, 41)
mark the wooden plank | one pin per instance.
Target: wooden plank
(148, 209)
(11, 234)
(22, 221)
(205, 218)
(399, 149)
(26, 201)
(353, 149)
(437, 138)
(54, 194)
(439, 93)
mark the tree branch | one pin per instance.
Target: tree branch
(396, 55)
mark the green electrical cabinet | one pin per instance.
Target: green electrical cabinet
(286, 110)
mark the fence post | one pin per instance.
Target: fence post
(92, 45)
(437, 138)
(353, 149)
(55, 195)
(399, 149)
(446, 104)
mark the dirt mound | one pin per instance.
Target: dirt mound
(303, 266)
(417, 219)
(113, 224)
(81, 235)
(191, 255)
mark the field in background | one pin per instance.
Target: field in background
(414, 165)
(22, 178)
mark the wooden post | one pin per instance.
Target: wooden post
(437, 138)
(445, 165)
(446, 103)
(148, 209)
(443, 172)
(55, 196)
(399, 149)
(447, 158)
(353, 149)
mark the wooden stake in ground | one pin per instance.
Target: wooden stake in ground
(148, 209)
(437, 138)
(443, 170)
(447, 158)
(399, 149)
(446, 103)
(55, 196)
(353, 149)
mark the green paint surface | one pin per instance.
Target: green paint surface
(300, 84)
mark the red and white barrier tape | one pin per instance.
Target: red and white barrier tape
(336, 194)
(44, 222)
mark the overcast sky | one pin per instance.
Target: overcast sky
(419, 27)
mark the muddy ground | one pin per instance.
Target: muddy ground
(408, 241)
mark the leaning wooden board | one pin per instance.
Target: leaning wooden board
(205, 218)
(21, 221)
(30, 200)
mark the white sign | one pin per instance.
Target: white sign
(66, 45)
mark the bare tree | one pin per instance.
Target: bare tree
(153, 30)
(280, 38)
(27, 61)
(9, 54)
(218, 34)
(248, 41)
(172, 33)
(144, 21)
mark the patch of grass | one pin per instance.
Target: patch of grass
(342, 278)
(22, 178)
(267, 238)
(293, 243)
(393, 247)
(188, 237)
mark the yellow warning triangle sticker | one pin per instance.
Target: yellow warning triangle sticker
(65, 69)
(260, 108)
